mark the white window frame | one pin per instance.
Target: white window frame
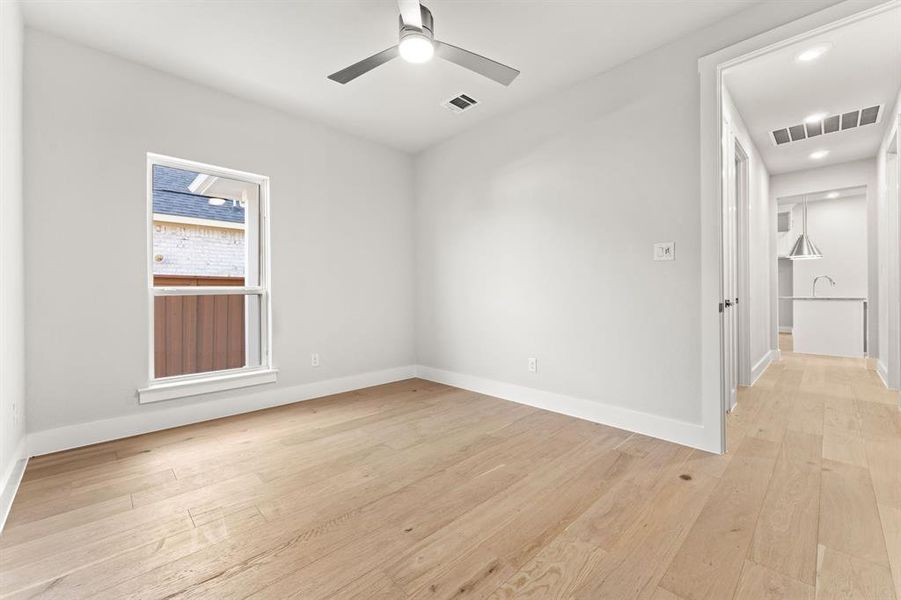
(178, 386)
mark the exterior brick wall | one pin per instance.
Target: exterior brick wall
(182, 249)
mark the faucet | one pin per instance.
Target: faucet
(831, 280)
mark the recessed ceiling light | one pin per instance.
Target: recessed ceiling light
(831, 195)
(813, 53)
(819, 154)
(815, 117)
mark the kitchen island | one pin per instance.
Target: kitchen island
(829, 325)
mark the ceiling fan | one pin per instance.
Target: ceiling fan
(418, 44)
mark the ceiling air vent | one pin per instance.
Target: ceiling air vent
(868, 116)
(460, 103)
(830, 124)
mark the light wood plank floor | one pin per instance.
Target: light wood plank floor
(786, 342)
(418, 490)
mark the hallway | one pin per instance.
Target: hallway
(824, 435)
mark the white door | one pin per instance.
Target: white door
(730, 271)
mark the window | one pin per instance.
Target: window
(208, 283)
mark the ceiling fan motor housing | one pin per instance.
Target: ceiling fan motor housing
(428, 25)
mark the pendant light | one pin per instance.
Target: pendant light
(804, 248)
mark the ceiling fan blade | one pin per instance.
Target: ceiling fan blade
(364, 66)
(410, 13)
(474, 62)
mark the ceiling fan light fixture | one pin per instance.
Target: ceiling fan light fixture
(416, 48)
(418, 45)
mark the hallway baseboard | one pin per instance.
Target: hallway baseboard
(758, 369)
(9, 485)
(882, 371)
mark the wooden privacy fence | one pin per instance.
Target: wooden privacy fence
(195, 334)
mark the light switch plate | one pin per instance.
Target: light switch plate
(665, 251)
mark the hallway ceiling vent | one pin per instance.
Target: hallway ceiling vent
(460, 103)
(830, 124)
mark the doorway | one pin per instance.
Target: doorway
(735, 306)
(722, 333)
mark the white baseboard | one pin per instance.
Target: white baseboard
(758, 369)
(156, 418)
(9, 484)
(673, 430)
(882, 371)
(784, 329)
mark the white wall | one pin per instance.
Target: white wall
(341, 237)
(786, 288)
(843, 175)
(758, 220)
(12, 305)
(888, 169)
(839, 228)
(534, 237)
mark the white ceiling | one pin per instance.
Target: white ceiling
(861, 69)
(279, 52)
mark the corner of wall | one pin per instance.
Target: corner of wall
(12, 302)
(113, 428)
(761, 366)
(11, 478)
(645, 423)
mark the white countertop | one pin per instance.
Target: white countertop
(851, 298)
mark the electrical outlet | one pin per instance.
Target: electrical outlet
(314, 359)
(533, 364)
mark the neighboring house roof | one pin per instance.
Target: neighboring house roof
(171, 196)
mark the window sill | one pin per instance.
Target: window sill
(168, 390)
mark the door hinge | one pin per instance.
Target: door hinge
(721, 307)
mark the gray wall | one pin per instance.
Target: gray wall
(888, 217)
(839, 228)
(535, 232)
(786, 288)
(341, 239)
(12, 305)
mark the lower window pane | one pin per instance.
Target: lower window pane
(199, 334)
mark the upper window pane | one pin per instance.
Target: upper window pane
(200, 229)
